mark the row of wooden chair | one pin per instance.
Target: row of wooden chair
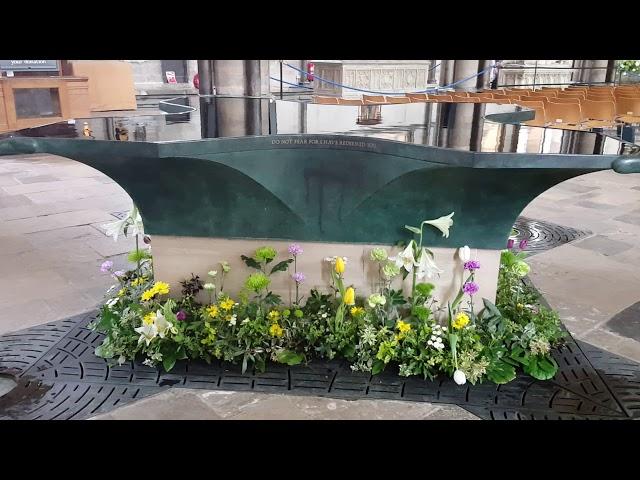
(571, 107)
(581, 107)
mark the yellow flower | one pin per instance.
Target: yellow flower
(276, 330)
(350, 296)
(274, 315)
(148, 294)
(339, 265)
(356, 311)
(461, 321)
(404, 327)
(138, 281)
(520, 306)
(227, 304)
(149, 318)
(161, 287)
(121, 292)
(213, 311)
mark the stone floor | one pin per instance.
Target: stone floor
(591, 280)
(52, 244)
(186, 404)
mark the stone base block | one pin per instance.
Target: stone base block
(175, 258)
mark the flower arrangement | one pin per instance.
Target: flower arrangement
(415, 334)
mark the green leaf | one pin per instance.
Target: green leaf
(519, 356)
(272, 299)
(491, 308)
(377, 367)
(251, 262)
(244, 364)
(349, 351)
(281, 266)
(412, 229)
(541, 367)
(501, 372)
(168, 362)
(289, 357)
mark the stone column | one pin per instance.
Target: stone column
(467, 117)
(234, 114)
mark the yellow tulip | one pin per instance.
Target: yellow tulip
(350, 296)
(340, 265)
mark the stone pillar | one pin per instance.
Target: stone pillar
(232, 113)
(467, 117)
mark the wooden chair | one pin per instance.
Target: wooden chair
(394, 100)
(598, 114)
(520, 90)
(564, 114)
(569, 99)
(417, 97)
(577, 94)
(350, 101)
(544, 93)
(541, 115)
(628, 109)
(325, 100)
(374, 99)
(541, 98)
(440, 98)
(464, 99)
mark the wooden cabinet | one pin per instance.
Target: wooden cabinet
(33, 101)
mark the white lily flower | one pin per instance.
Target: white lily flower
(406, 258)
(132, 222)
(162, 324)
(112, 302)
(147, 332)
(443, 224)
(212, 273)
(209, 286)
(459, 377)
(464, 253)
(427, 267)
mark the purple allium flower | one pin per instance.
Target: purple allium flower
(298, 277)
(472, 265)
(181, 315)
(471, 288)
(295, 249)
(510, 243)
(106, 266)
(118, 273)
(523, 244)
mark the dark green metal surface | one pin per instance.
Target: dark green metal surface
(322, 187)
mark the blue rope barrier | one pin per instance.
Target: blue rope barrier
(429, 90)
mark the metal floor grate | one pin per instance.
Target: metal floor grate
(542, 236)
(59, 377)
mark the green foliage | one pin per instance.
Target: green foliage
(139, 255)
(400, 333)
(282, 266)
